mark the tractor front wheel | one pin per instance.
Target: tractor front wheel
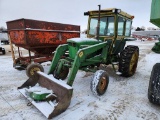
(62, 74)
(32, 68)
(100, 82)
(128, 61)
(154, 85)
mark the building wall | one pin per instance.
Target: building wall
(147, 33)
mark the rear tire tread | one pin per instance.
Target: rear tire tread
(154, 85)
(125, 58)
(96, 81)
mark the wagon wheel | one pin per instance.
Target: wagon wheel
(100, 82)
(32, 69)
(62, 74)
(3, 52)
(128, 61)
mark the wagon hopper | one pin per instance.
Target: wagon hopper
(39, 38)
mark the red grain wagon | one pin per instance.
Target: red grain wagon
(38, 37)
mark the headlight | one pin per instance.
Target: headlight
(118, 10)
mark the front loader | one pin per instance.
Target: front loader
(105, 44)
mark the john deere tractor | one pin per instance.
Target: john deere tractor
(105, 44)
(107, 34)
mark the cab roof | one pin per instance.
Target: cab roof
(109, 11)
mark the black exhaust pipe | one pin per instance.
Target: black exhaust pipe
(98, 25)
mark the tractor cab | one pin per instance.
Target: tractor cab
(113, 24)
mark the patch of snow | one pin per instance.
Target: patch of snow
(45, 107)
(82, 39)
(60, 82)
(125, 98)
(51, 95)
(38, 90)
(118, 73)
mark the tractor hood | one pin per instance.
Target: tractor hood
(74, 44)
(83, 41)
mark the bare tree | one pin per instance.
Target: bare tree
(2, 28)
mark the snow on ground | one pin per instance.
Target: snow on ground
(125, 98)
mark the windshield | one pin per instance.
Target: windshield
(124, 28)
(106, 26)
(128, 28)
(120, 25)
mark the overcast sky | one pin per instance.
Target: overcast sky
(71, 11)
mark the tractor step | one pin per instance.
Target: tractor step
(115, 63)
(118, 73)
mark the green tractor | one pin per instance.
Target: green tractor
(105, 44)
(154, 83)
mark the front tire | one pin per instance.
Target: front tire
(128, 61)
(63, 73)
(99, 82)
(154, 85)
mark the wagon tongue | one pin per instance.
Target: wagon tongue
(49, 107)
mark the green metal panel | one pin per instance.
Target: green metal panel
(77, 43)
(38, 97)
(156, 47)
(73, 49)
(119, 46)
(155, 12)
(80, 58)
(61, 49)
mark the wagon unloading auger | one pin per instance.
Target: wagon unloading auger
(110, 27)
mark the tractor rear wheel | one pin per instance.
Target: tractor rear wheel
(63, 73)
(100, 82)
(32, 68)
(128, 60)
(154, 85)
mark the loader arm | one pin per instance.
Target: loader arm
(58, 54)
(81, 57)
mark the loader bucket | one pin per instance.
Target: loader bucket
(60, 88)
